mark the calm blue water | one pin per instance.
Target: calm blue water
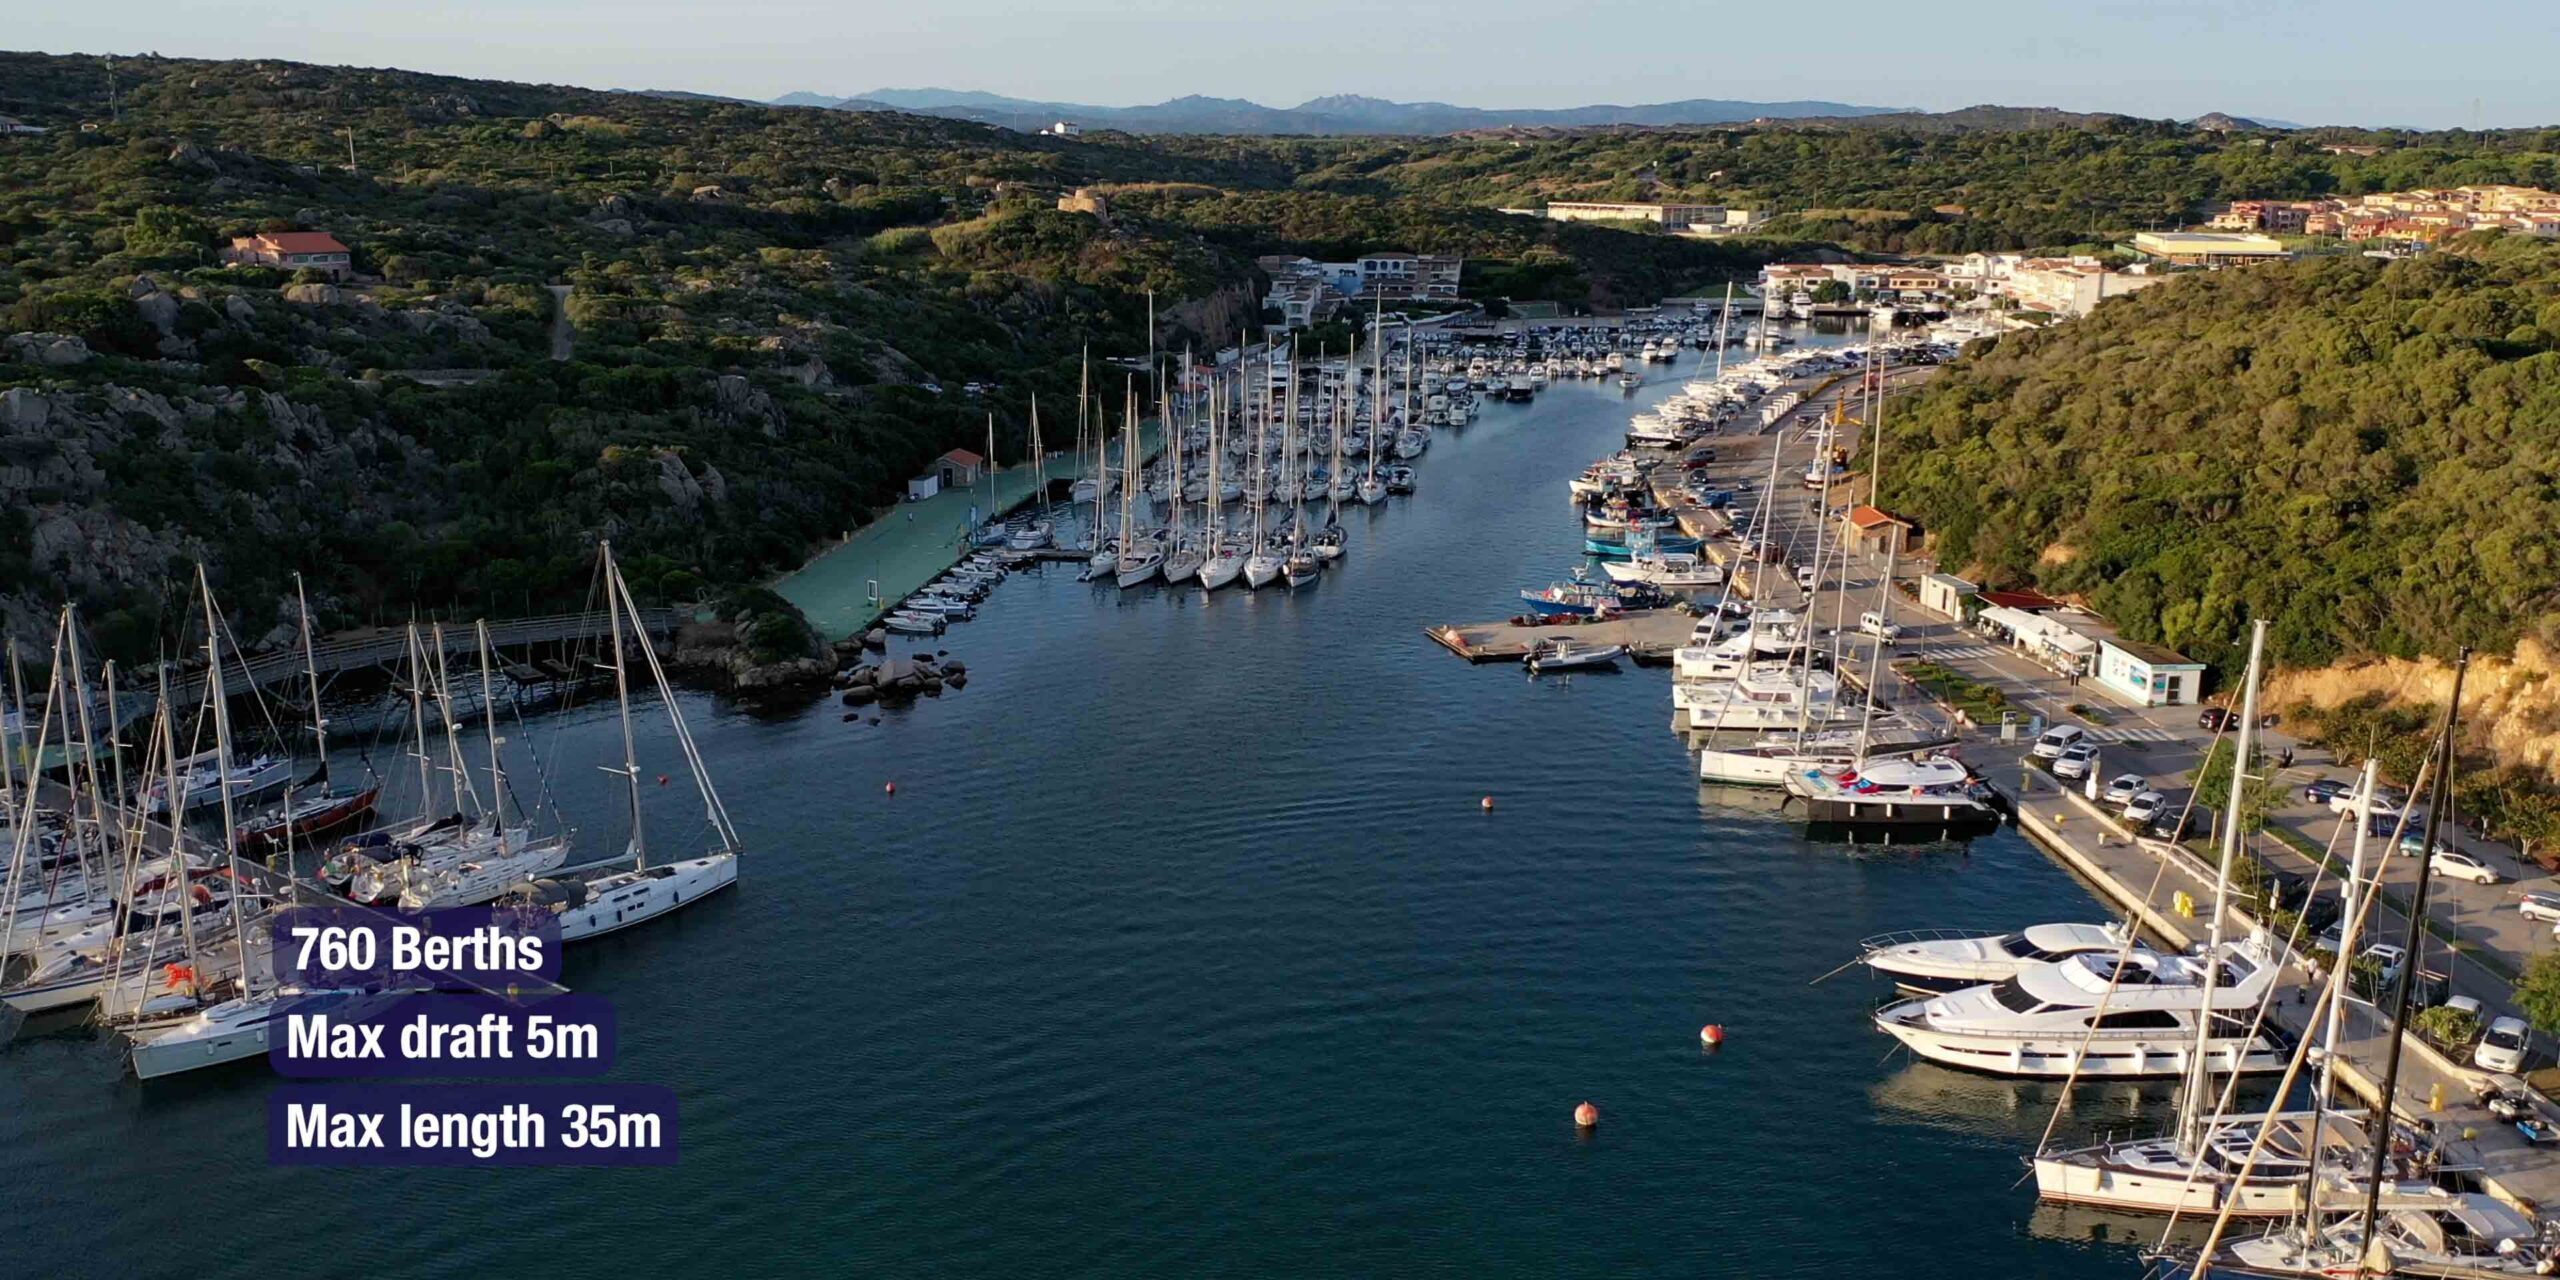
(1184, 948)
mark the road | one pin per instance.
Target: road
(562, 335)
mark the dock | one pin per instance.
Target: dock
(1650, 635)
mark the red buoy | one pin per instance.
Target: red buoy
(1488, 803)
(1711, 1035)
(662, 779)
(1586, 1116)
(891, 788)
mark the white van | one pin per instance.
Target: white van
(1873, 623)
(2059, 739)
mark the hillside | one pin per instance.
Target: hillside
(774, 313)
(2367, 455)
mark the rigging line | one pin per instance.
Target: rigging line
(2337, 976)
(2132, 931)
(2266, 1002)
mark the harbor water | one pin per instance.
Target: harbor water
(1186, 946)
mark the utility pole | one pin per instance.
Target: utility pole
(350, 131)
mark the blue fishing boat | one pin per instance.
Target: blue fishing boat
(1617, 549)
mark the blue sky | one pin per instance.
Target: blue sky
(2343, 61)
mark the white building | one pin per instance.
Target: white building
(1064, 129)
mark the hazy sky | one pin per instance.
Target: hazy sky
(2483, 62)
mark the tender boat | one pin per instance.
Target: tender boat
(1571, 655)
(1944, 960)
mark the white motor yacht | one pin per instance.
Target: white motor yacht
(2100, 1017)
(1945, 960)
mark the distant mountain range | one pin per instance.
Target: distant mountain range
(1351, 113)
(1339, 113)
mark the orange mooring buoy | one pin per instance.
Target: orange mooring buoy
(1711, 1034)
(1586, 1116)
(1488, 802)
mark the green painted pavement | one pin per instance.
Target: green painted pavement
(911, 546)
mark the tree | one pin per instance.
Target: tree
(2258, 796)
(1830, 291)
(2538, 991)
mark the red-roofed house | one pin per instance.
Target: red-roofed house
(291, 250)
(1870, 531)
(957, 469)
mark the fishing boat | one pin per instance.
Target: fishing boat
(1571, 655)
(1669, 571)
(1609, 547)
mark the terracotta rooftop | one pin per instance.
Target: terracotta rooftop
(964, 458)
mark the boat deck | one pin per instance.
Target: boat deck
(1650, 635)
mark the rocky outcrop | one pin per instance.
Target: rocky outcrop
(46, 348)
(737, 402)
(717, 653)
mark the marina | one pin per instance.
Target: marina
(1435, 873)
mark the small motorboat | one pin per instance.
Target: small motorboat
(1571, 655)
(913, 624)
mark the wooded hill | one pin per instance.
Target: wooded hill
(2363, 453)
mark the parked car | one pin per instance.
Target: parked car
(2213, 719)
(2075, 760)
(2178, 823)
(2386, 801)
(2323, 791)
(2413, 838)
(2143, 808)
(2501, 1046)
(2057, 739)
(2463, 866)
(2539, 906)
(1805, 576)
(2462, 1004)
(2123, 788)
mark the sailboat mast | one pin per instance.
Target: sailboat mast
(489, 715)
(1724, 327)
(2193, 1113)
(2348, 935)
(418, 717)
(622, 701)
(79, 689)
(177, 840)
(2439, 798)
(222, 781)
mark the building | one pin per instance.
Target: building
(1869, 531)
(1304, 291)
(16, 127)
(2060, 640)
(291, 250)
(2208, 248)
(1949, 595)
(2070, 288)
(1086, 200)
(2148, 675)
(1666, 215)
(959, 469)
(1064, 129)
(2022, 601)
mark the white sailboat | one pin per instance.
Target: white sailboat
(1224, 559)
(605, 904)
(1141, 558)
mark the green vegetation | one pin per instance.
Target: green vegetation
(2517, 804)
(774, 316)
(2538, 992)
(2452, 1030)
(2359, 452)
(2259, 796)
(1898, 185)
(1980, 702)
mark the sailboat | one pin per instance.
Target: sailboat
(516, 856)
(2397, 1231)
(1038, 531)
(238, 1027)
(1261, 563)
(315, 814)
(1225, 558)
(594, 907)
(1141, 557)
(1182, 563)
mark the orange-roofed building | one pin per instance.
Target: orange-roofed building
(292, 251)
